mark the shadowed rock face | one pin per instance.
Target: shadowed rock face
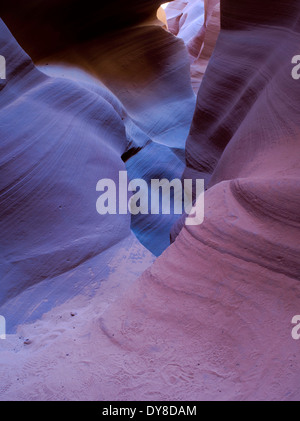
(247, 102)
(253, 59)
(140, 63)
(52, 130)
(64, 23)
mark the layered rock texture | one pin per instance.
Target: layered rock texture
(197, 23)
(230, 288)
(142, 64)
(211, 317)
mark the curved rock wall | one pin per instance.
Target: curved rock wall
(219, 302)
(197, 23)
(211, 318)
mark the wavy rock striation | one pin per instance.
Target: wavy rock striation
(219, 302)
(197, 23)
(73, 130)
(64, 139)
(140, 63)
